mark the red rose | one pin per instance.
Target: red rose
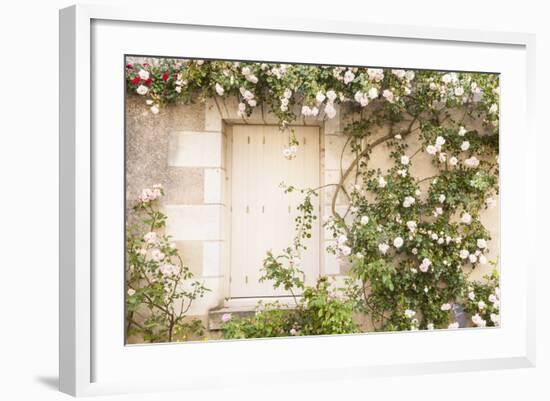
(129, 66)
(136, 80)
(148, 82)
(165, 77)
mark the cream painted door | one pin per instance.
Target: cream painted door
(262, 215)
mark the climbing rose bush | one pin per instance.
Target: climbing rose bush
(412, 242)
(295, 90)
(324, 308)
(160, 289)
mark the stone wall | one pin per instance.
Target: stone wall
(183, 148)
(174, 148)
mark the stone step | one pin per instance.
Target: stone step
(215, 315)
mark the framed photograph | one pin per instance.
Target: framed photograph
(299, 200)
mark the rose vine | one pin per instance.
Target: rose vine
(412, 242)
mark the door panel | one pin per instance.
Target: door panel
(262, 216)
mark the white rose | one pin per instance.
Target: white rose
(154, 109)
(320, 97)
(411, 225)
(446, 78)
(472, 258)
(361, 98)
(143, 74)
(430, 149)
(478, 321)
(446, 307)
(365, 220)
(388, 95)
(219, 89)
(383, 248)
(466, 218)
(409, 313)
(481, 243)
(482, 259)
(331, 95)
(342, 239)
(471, 295)
(405, 160)
(453, 161)
(373, 93)
(398, 242)
(462, 131)
(439, 141)
(157, 255)
(442, 198)
(346, 250)
(375, 74)
(465, 145)
(142, 90)
(247, 94)
(472, 162)
(349, 76)
(481, 305)
(399, 73)
(408, 201)
(169, 269)
(381, 182)
(150, 237)
(425, 265)
(330, 110)
(459, 91)
(464, 254)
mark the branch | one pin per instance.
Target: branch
(427, 178)
(353, 164)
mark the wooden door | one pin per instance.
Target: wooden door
(262, 215)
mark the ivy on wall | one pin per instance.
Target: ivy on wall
(412, 241)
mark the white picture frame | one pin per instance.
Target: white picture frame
(81, 343)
